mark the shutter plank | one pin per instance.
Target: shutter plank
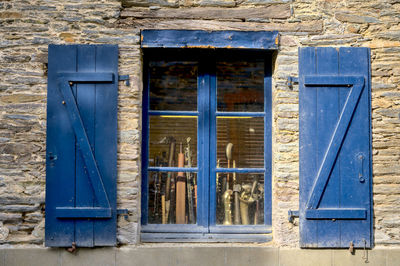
(356, 62)
(106, 140)
(328, 111)
(307, 134)
(60, 171)
(85, 100)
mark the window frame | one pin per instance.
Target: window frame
(207, 140)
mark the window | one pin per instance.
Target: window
(206, 169)
(207, 141)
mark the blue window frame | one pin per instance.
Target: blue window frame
(208, 111)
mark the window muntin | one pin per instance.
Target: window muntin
(253, 118)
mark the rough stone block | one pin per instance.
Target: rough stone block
(355, 18)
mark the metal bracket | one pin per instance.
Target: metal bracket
(123, 212)
(291, 81)
(124, 78)
(292, 215)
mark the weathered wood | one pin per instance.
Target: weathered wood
(267, 12)
(209, 39)
(310, 27)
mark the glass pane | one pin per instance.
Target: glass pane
(172, 197)
(240, 198)
(240, 86)
(240, 142)
(171, 135)
(173, 85)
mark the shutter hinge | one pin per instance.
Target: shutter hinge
(291, 81)
(292, 215)
(123, 212)
(124, 78)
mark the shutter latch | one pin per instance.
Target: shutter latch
(292, 215)
(291, 81)
(124, 78)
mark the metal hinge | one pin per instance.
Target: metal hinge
(292, 215)
(291, 81)
(123, 212)
(124, 78)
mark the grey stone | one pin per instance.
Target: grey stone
(391, 94)
(390, 35)
(39, 40)
(22, 117)
(394, 113)
(10, 217)
(216, 3)
(355, 18)
(147, 3)
(21, 200)
(17, 58)
(19, 208)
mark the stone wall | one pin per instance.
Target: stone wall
(27, 27)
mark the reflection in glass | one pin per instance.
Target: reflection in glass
(240, 198)
(172, 130)
(173, 85)
(240, 140)
(172, 197)
(240, 86)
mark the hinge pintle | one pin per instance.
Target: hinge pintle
(292, 215)
(124, 78)
(123, 212)
(291, 81)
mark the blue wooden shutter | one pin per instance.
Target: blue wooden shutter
(335, 147)
(81, 156)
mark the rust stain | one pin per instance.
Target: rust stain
(198, 46)
(141, 38)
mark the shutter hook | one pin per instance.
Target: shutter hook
(351, 248)
(365, 255)
(72, 249)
